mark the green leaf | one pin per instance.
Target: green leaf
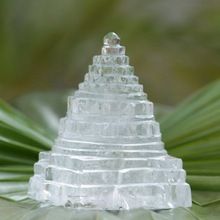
(192, 132)
(21, 140)
(46, 108)
(16, 121)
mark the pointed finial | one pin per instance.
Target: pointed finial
(111, 39)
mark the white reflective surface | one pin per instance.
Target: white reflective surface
(109, 153)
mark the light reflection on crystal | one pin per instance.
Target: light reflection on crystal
(109, 153)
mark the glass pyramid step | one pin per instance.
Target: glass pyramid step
(120, 176)
(92, 162)
(161, 195)
(125, 70)
(110, 153)
(109, 50)
(111, 107)
(75, 144)
(111, 60)
(110, 78)
(111, 88)
(73, 127)
(131, 96)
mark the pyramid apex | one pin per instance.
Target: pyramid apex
(111, 39)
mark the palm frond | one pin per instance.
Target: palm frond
(21, 140)
(192, 132)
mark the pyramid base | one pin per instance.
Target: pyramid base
(119, 197)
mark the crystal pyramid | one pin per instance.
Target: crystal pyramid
(109, 154)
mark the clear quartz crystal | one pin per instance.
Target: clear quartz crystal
(109, 154)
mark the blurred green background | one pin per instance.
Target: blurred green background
(174, 45)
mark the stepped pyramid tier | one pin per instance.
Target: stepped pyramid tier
(109, 154)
